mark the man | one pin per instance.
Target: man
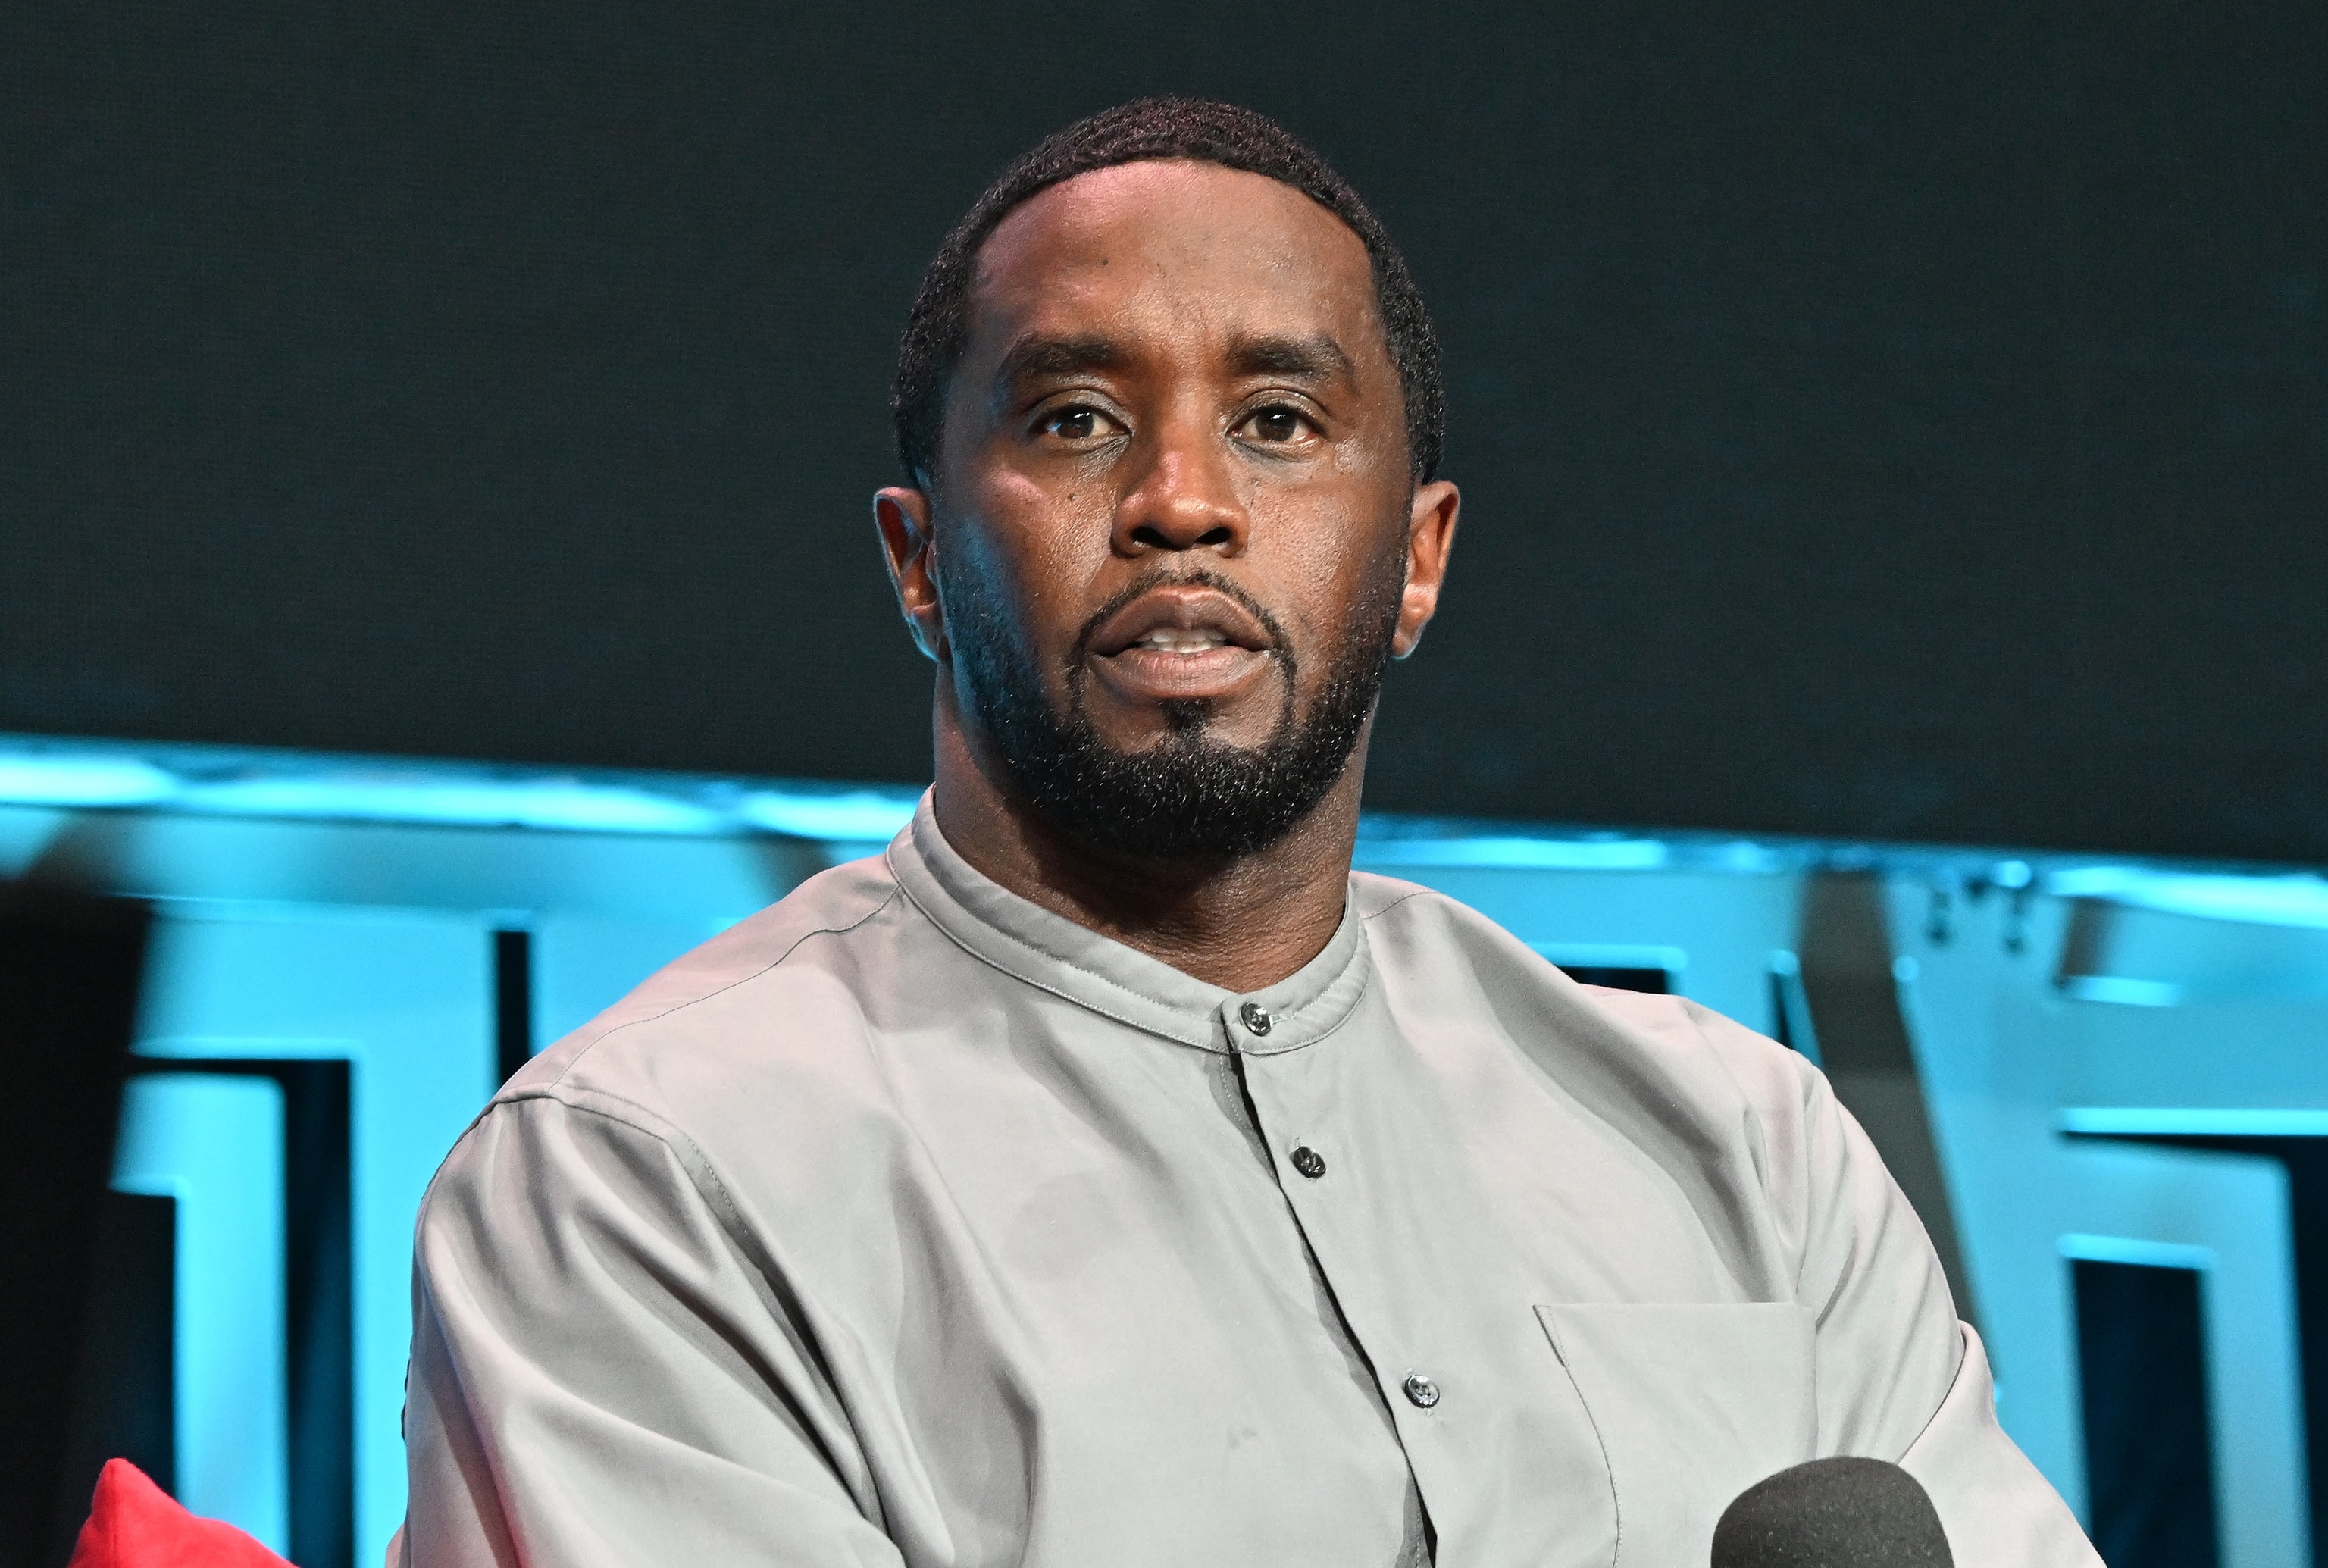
(1105, 1175)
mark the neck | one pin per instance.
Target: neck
(1242, 924)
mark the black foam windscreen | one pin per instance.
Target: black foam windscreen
(1833, 1513)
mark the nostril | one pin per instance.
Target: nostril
(1167, 533)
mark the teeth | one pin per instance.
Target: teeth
(1181, 640)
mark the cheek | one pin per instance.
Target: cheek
(1322, 563)
(1040, 549)
(1044, 523)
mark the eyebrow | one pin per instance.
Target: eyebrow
(1032, 357)
(1314, 358)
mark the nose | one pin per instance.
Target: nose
(1184, 498)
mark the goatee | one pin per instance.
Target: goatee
(1189, 797)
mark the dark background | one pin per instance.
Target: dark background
(1907, 426)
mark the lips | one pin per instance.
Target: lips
(1187, 617)
(1180, 641)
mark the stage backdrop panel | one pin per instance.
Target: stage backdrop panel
(1872, 424)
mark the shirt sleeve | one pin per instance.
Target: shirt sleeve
(602, 1377)
(1898, 1376)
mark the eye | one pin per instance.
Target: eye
(1276, 425)
(1077, 422)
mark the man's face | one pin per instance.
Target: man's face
(1173, 537)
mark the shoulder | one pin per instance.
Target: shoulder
(1437, 950)
(776, 998)
(752, 1065)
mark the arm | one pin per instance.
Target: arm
(600, 1375)
(1899, 1377)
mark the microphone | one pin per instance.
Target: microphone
(1833, 1513)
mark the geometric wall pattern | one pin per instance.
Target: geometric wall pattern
(2065, 1064)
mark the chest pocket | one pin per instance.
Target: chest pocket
(1693, 1403)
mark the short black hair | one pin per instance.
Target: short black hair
(1142, 131)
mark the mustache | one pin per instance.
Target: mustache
(1200, 576)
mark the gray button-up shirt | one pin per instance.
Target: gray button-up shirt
(910, 1223)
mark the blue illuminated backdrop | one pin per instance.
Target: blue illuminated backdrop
(2103, 1064)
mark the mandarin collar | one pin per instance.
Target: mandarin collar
(1052, 953)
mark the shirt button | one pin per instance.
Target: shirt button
(1309, 1163)
(1256, 1018)
(1420, 1392)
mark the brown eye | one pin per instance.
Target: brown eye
(1276, 425)
(1073, 424)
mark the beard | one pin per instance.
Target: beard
(1187, 797)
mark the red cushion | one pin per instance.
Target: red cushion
(135, 1524)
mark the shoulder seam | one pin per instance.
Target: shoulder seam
(612, 1107)
(1411, 892)
(680, 1006)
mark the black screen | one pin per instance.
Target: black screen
(1873, 424)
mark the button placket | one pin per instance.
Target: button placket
(1295, 1096)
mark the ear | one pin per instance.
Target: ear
(908, 546)
(1430, 536)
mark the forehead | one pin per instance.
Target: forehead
(1187, 248)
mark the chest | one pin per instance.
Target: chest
(1128, 1286)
